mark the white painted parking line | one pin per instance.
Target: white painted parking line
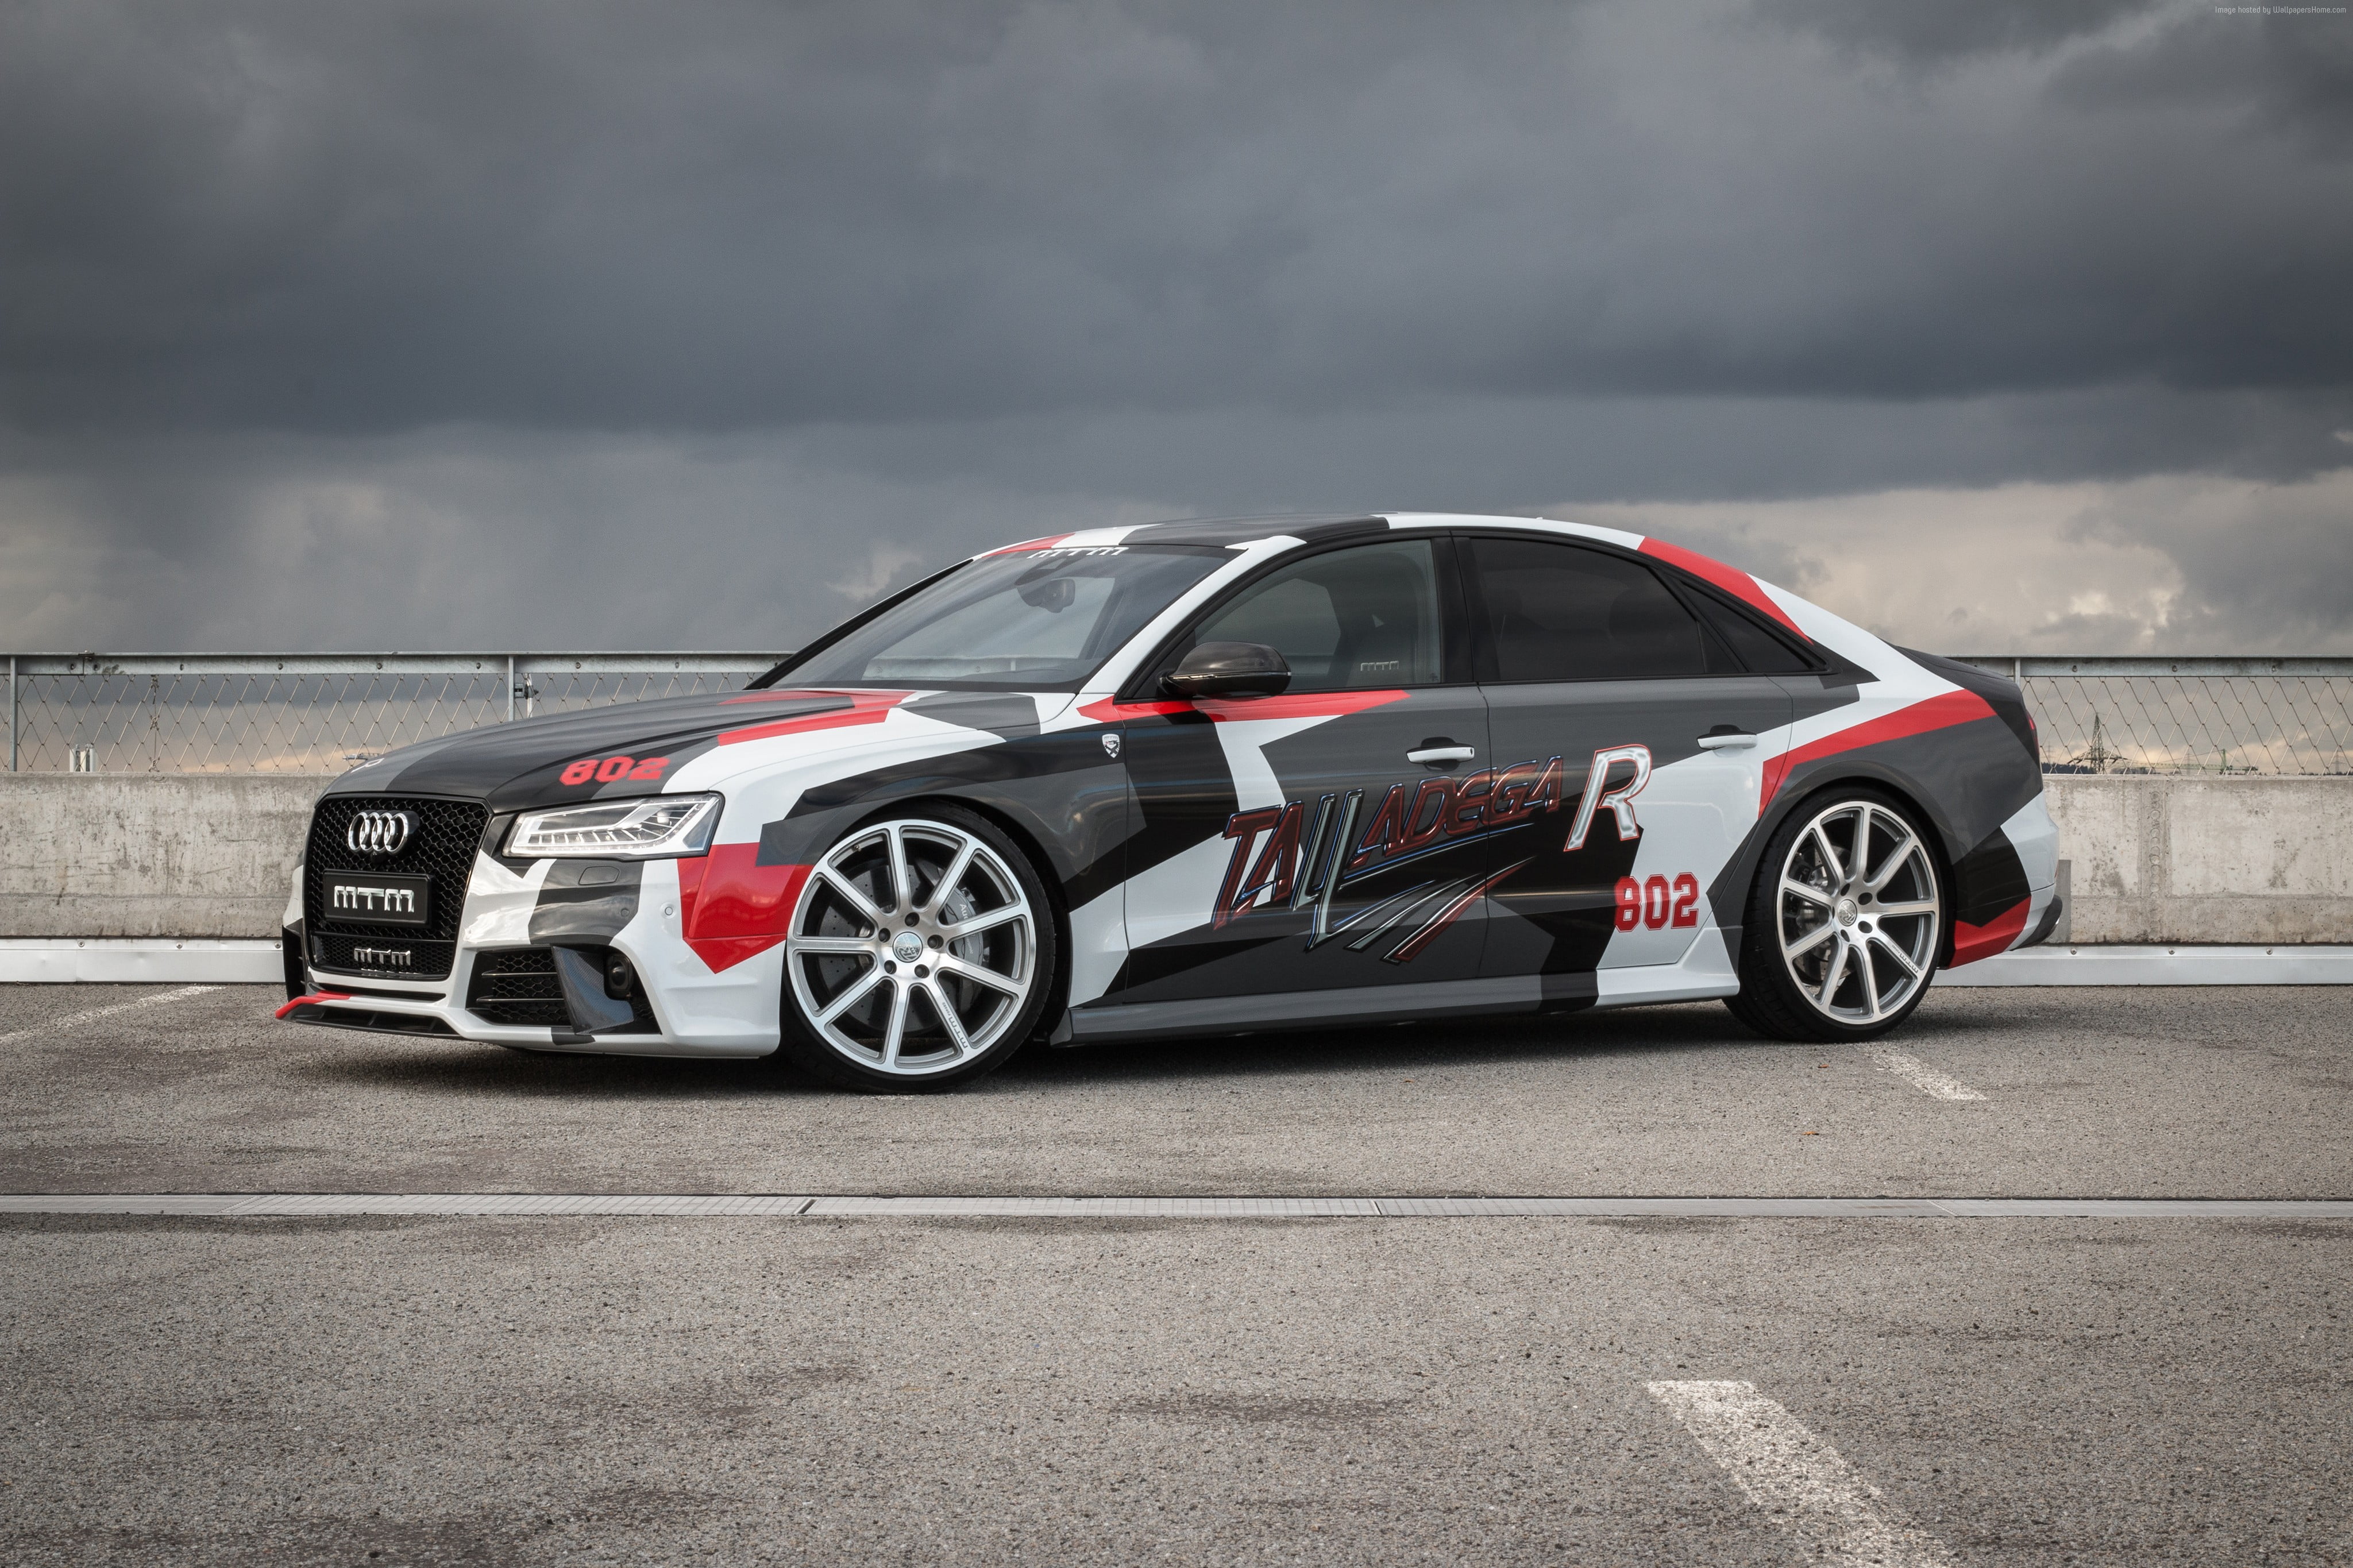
(1802, 1483)
(1920, 1076)
(52, 1026)
(770, 1205)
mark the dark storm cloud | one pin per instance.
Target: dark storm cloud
(370, 219)
(425, 323)
(2283, 76)
(1934, 31)
(468, 538)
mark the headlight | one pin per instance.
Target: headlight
(654, 828)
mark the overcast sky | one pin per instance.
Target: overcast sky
(1998, 325)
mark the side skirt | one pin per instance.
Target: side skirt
(1705, 971)
(1504, 995)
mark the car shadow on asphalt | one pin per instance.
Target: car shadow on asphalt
(1687, 1027)
(465, 1067)
(460, 1068)
(1389, 1048)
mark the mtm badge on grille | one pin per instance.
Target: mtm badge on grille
(379, 898)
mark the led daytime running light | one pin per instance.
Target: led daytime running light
(656, 827)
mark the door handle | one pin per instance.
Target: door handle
(1726, 742)
(1440, 753)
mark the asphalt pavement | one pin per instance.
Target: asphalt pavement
(2188, 1092)
(565, 1389)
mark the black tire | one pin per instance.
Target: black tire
(1863, 944)
(849, 1014)
(1740, 1007)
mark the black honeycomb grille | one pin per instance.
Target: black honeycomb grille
(449, 833)
(518, 986)
(383, 958)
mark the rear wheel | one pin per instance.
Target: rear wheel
(921, 953)
(1844, 923)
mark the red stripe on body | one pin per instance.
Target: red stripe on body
(1939, 713)
(863, 708)
(1113, 712)
(1737, 584)
(1973, 943)
(1234, 710)
(1306, 705)
(731, 907)
(314, 996)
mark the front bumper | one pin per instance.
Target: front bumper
(680, 1007)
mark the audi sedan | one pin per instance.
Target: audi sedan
(1196, 778)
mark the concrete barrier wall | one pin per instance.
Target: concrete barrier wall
(150, 854)
(2150, 859)
(2189, 859)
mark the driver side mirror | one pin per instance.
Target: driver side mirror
(1055, 593)
(1229, 670)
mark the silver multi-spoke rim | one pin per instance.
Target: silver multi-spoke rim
(1859, 908)
(913, 948)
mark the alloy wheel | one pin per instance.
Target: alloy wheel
(914, 948)
(1857, 913)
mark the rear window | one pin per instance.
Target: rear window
(1757, 649)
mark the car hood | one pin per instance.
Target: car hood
(640, 748)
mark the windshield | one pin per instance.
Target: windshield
(1040, 621)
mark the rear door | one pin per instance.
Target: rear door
(1627, 767)
(1312, 841)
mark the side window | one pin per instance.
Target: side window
(1555, 612)
(1758, 650)
(1356, 617)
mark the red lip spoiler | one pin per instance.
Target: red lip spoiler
(314, 996)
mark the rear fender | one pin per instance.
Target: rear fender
(1728, 896)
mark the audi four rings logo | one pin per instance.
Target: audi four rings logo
(380, 832)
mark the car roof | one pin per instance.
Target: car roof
(1234, 531)
(1310, 527)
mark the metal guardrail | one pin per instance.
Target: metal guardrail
(2190, 715)
(311, 713)
(317, 713)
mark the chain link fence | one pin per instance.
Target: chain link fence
(318, 713)
(2215, 715)
(311, 713)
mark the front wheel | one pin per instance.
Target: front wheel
(921, 948)
(1844, 924)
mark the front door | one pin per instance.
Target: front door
(1624, 733)
(1315, 841)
